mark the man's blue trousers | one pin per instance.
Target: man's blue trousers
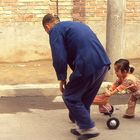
(79, 95)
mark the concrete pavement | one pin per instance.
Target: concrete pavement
(40, 118)
(36, 123)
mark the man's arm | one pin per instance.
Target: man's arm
(59, 54)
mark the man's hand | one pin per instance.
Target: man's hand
(62, 85)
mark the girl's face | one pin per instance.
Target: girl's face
(119, 73)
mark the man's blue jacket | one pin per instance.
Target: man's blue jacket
(75, 44)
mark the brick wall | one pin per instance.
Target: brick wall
(133, 11)
(25, 10)
(91, 10)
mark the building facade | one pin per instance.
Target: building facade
(22, 37)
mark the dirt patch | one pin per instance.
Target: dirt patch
(28, 72)
(37, 72)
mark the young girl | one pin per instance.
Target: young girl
(126, 81)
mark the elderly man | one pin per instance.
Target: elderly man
(76, 45)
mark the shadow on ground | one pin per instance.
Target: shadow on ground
(26, 103)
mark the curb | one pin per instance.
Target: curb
(35, 89)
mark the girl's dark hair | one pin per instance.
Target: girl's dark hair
(49, 18)
(123, 65)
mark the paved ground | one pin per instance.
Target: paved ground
(36, 118)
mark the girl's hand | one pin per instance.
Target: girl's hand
(108, 93)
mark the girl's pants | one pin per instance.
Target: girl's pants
(79, 95)
(131, 105)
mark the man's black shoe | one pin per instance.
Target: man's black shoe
(75, 132)
(87, 136)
